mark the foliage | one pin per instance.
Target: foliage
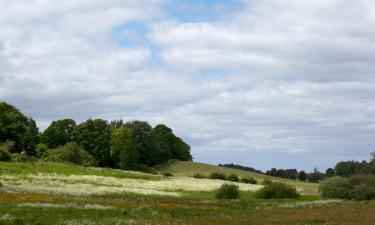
(233, 177)
(245, 168)
(167, 174)
(266, 182)
(248, 180)
(357, 187)
(22, 157)
(72, 153)
(14, 126)
(335, 187)
(217, 175)
(41, 150)
(302, 176)
(288, 173)
(59, 133)
(316, 176)
(199, 175)
(123, 147)
(4, 154)
(277, 190)
(168, 146)
(227, 191)
(141, 132)
(94, 137)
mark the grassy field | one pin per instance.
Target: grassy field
(188, 169)
(50, 193)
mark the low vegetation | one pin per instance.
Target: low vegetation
(277, 190)
(357, 187)
(227, 191)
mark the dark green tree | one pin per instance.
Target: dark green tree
(16, 127)
(168, 146)
(124, 148)
(59, 133)
(142, 137)
(302, 176)
(94, 137)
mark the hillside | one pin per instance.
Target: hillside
(187, 169)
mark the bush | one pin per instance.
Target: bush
(277, 190)
(4, 154)
(358, 187)
(248, 180)
(362, 192)
(216, 175)
(22, 157)
(233, 177)
(227, 191)
(41, 150)
(72, 153)
(167, 174)
(335, 187)
(266, 182)
(199, 175)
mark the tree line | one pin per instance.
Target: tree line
(115, 144)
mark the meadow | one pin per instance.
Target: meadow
(54, 193)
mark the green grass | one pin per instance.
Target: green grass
(185, 168)
(193, 207)
(65, 169)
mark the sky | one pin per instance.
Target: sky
(271, 83)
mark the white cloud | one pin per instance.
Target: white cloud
(298, 76)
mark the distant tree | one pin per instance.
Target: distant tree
(302, 176)
(349, 168)
(14, 126)
(123, 147)
(245, 168)
(142, 137)
(94, 137)
(330, 172)
(168, 146)
(316, 176)
(116, 124)
(59, 133)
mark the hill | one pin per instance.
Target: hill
(187, 169)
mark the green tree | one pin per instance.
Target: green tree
(15, 126)
(141, 132)
(124, 148)
(168, 146)
(302, 176)
(59, 133)
(94, 137)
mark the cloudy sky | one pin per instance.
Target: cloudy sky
(271, 83)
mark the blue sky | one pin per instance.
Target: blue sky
(274, 83)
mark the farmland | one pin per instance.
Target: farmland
(54, 193)
(188, 169)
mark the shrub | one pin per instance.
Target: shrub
(4, 154)
(233, 177)
(41, 150)
(358, 187)
(227, 191)
(72, 153)
(335, 187)
(167, 174)
(362, 192)
(22, 157)
(146, 169)
(216, 175)
(248, 180)
(266, 182)
(277, 190)
(199, 175)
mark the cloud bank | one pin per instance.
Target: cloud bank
(260, 83)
